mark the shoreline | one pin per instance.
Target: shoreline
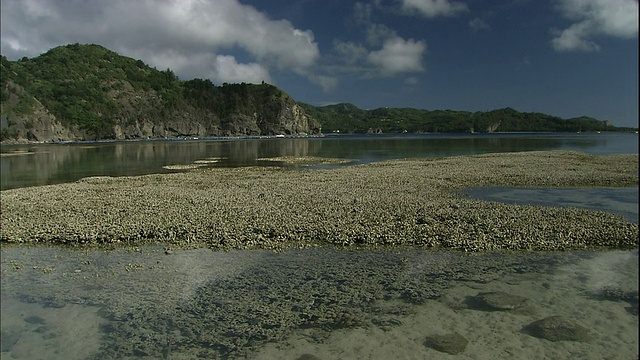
(294, 136)
(390, 204)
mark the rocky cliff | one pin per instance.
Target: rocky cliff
(86, 92)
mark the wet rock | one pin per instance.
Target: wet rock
(453, 343)
(499, 301)
(557, 328)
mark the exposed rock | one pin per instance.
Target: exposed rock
(557, 328)
(449, 343)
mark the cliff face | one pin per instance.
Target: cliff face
(86, 92)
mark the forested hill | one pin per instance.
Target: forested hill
(87, 92)
(347, 118)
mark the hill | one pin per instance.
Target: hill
(87, 92)
(347, 118)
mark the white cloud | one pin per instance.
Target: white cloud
(478, 24)
(163, 33)
(327, 83)
(616, 18)
(574, 38)
(411, 80)
(227, 69)
(348, 52)
(383, 53)
(435, 8)
(378, 33)
(398, 55)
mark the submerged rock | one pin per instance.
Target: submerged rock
(453, 343)
(616, 294)
(307, 357)
(499, 300)
(558, 328)
(34, 320)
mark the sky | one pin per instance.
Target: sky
(566, 58)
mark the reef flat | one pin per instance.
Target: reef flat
(409, 202)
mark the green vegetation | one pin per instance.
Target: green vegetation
(347, 118)
(91, 89)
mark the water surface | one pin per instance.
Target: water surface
(29, 165)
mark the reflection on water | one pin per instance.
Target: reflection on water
(329, 303)
(29, 165)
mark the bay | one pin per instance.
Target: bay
(313, 303)
(42, 164)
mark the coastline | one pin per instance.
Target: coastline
(396, 203)
(14, 142)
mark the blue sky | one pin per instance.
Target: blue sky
(562, 57)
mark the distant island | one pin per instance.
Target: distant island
(87, 92)
(347, 118)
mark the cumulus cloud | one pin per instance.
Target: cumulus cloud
(398, 55)
(227, 69)
(616, 18)
(435, 8)
(349, 52)
(383, 53)
(395, 56)
(179, 34)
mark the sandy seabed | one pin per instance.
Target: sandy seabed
(129, 305)
(495, 334)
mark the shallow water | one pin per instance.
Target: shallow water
(329, 303)
(621, 201)
(142, 303)
(41, 164)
